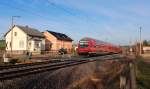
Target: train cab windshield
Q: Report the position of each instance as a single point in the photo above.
(83, 44)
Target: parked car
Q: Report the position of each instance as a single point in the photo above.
(62, 51)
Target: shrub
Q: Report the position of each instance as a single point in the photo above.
(14, 61)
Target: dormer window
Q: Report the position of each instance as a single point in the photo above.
(15, 34)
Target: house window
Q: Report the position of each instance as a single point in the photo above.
(15, 34)
(21, 44)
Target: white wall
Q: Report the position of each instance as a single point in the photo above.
(33, 47)
(43, 44)
(22, 36)
(16, 41)
(30, 45)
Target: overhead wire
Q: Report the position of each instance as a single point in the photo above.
(32, 13)
(24, 10)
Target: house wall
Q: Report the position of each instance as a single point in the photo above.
(43, 44)
(56, 44)
(32, 44)
(146, 49)
(50, 42)
(64, 44)
(68, 45)
(23, 43)
(18, 41)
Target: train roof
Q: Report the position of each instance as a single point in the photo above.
(86, 38)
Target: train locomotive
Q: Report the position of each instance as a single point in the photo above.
(90, 47)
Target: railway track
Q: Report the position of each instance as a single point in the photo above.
(51, 61)
(27, 64)
(14, 71)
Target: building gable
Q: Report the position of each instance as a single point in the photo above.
(14, 30)
(18, 39)
(29, 31)
(49, 37)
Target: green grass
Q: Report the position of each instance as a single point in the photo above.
(2, 44)
(143, 75)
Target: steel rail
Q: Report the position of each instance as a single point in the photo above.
(46, 62)
(26, 70)
(33, 70)
(27, 64)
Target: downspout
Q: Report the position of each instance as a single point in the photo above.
(27, 44)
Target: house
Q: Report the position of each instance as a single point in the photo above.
(146, 49)
(56, 41)
(23, 39)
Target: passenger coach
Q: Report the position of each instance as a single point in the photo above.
(90, 46)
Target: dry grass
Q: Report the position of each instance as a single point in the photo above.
(93, 75)
(143, 74)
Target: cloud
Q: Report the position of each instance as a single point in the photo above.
(115, 20)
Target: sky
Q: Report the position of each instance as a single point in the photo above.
(114, 21)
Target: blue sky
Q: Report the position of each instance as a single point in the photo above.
(115, 21)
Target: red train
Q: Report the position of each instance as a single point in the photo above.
(90, 46)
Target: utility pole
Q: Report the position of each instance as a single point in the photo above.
(12, 24)
(140, 33)
(130, 47)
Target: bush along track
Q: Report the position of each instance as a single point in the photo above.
(143, 75)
